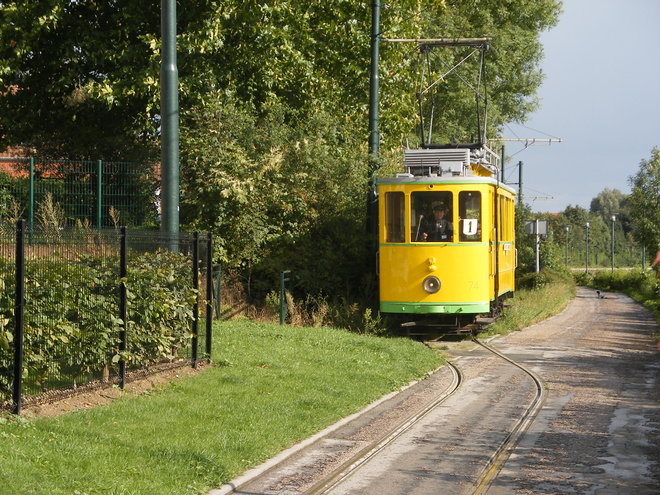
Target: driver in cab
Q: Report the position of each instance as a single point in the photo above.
(438, 228)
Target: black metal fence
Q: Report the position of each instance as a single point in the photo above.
(84, 308)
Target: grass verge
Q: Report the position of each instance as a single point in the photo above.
(270, 387)
(540, 296)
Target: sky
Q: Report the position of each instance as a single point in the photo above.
(600, 95)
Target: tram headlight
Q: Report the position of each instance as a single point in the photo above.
(431, 284)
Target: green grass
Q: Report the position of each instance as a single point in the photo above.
(271, 386)
(546, 295)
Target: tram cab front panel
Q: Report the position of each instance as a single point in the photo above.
(435, 253)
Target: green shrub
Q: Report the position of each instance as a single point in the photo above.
(72, 322)
(160, 306)
(546, 276)
(619, 280)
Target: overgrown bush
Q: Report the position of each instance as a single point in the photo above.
(72, 322)
(160, 301)
(546, 276)
(287, 190)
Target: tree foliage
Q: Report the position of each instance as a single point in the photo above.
(284, 191)
(612, 202)
(75, 76)
(82, 77)
(274, 103)
(644, 202)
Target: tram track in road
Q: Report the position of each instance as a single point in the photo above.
(497, 460)
(453, 432)
(483, 478)
(353, 464)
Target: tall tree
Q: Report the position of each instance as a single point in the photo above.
(81, 77)
(75, 75)
(274, 101)
(644, 202)
(512, 73)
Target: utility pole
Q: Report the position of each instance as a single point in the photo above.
(538, 246)
(502, 166)
(613, 219)
(169, 114)
(586, 257)
(374, 136)
(520, 183)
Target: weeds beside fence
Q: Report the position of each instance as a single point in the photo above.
(85, 307)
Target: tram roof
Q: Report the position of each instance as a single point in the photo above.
(445, 179)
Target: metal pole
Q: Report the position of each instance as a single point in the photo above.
(613, 220)
(566, 230)
(283, 304)
(643, 258)
(374, 135)
(123, 271)
(538, 243)
(19, 304)
(520, 182)
(195, 282)
(586, 269)
(209, 294)
(169, 110)
(374, 138)
(502, 167)
(31, 197)
(99, 195)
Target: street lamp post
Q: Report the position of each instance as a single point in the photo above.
(587, 249)
(613, 218)
(566, 229)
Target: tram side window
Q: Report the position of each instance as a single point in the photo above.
(431, 216)
(503, 218)
(394, 217)
(506, 229)
(469, 212)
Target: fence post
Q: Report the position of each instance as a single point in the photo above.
(195, 280)
(99, 195)
(122, 304)
(19, 303)
(217, 292)
(284, 307)
(31, 197)
(209, 294)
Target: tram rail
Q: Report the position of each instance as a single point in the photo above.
(353, 464)
(495, 462)
(505, 449)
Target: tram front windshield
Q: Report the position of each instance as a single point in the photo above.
(433, 218)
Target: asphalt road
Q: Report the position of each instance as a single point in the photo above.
(597, 433)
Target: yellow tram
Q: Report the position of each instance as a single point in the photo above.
(446, 236)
